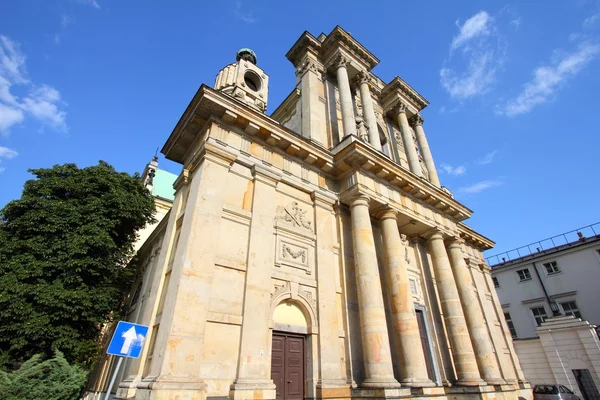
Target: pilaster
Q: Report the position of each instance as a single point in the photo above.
(254, 373)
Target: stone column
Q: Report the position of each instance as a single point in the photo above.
(363, 79)
(348, 119)
(413, 367)
(417, 121)
(407, 140)
(379, 371)
(254, 369)
(484, 351)
(462, 349)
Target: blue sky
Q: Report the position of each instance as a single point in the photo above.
(513, 88)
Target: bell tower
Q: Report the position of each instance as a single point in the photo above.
(245, 81)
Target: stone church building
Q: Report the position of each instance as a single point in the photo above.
(313, 253)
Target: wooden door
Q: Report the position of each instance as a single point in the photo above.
(425, 344)
(287, 366)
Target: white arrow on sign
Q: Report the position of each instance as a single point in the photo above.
(129, 336)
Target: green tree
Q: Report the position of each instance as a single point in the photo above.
(64, 249)
(38, 379)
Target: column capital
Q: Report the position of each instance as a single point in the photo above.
(455, 242)
(417, 120)
(309, 65)
(340, 61)
(433, 234)
(363, 77)
(386, 212)
(399, 108)
(358, 200)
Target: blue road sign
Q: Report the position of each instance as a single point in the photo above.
(128, 340)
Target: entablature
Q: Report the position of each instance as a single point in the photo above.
(352, 155)
(209, 103)
(475, 239)
(399, 91)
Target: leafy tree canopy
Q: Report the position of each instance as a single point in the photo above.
(37, 379)
(64, 248)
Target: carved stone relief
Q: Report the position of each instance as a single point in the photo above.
(293, 214)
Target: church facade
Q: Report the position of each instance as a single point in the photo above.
(313, 253)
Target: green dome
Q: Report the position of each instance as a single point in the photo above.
(246, 54)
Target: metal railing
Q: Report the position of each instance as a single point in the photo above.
(564, 239)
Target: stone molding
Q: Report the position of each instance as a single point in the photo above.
(417, 120)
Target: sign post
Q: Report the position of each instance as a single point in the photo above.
(127, 341)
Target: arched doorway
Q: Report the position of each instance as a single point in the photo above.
(289, 351)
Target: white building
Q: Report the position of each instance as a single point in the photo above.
(549, 292)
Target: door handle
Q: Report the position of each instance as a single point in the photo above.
(289, 381)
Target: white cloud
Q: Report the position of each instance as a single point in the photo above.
(591, 21)
(482, 53)
(92, 3)
(477, 25)
(479, 186)
(457, 171)
(42, 103)
(516, 22)
(247, 17)
(547, 79)
(488, 158)
(6, 154)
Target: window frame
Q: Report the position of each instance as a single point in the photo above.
(510, 324)
(543, 317)
(526, 275)
(496, 282)
(572, 311)
(555, 268)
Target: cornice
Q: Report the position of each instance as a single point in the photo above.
(475, 239)
(356, 155)
(405, 92)
(209, 103)
(340, 38)
(306, 42)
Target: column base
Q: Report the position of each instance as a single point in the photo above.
(252, 389)
(338, 389)
(470, 382)
(380, 393)
(495, 381)
(380, 383)
(127, 388)
(417, 382)
(171, 388)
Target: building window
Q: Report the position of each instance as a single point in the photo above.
(551, 267)
(496, 284)
(413, 286)
(511, 326)
(539, 314)
(570, 308)
(524, 274)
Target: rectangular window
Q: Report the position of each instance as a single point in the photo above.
(413, 286)
(496, 284)
(551, 267)
(524, 275)
(511, 326)
(570, 308)
(539, 314)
